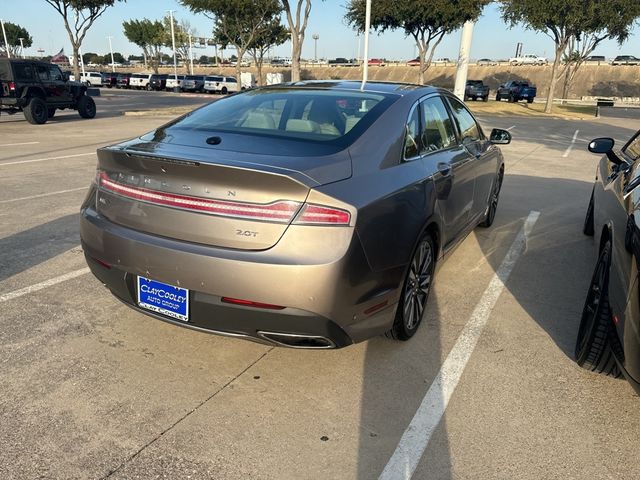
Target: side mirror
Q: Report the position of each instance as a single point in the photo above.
(500, 137)
(601, 145)
(605, 146)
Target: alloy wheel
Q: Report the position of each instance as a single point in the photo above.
(418, 286)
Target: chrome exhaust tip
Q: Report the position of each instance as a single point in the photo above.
(292, 340)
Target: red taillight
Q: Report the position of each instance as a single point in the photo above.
(249, 303)
(281, 211)
(12, 87)
(319, 215)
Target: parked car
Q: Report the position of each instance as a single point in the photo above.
(90, 79)
(515, 91)
(528, 59)
(173, 81)
(476, 90)
(414, 63)
(38, 89)
(158, 82)
(220, 84)
(595, 58)
(193, 83)
(625, 60)
(109, 79)
(377, 62)
(442, 61)
(356, 194)
(608, 340)
(280, 62)
(342, 62)
(486, 62)
(140, 81)
(123, 80)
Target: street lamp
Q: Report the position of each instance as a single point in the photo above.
(21, 46)
(113, 64)
(315, 41)
(173, 42)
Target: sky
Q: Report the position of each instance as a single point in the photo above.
(492, 38)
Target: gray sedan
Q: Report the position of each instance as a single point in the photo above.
(308, 215)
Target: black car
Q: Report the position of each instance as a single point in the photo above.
(353, 192)
(625, 60)
(123, 80)
(609, 336)
(157, 82)
(38, 89)
(109, 79)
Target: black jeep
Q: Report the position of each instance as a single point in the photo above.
(39, 89)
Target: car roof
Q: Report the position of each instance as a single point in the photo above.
(397, 88)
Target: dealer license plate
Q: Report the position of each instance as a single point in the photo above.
(163, 298)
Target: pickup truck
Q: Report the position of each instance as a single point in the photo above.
(515, 91)
(342, 62)
(38, 89)
(475, 90)
(528, 60)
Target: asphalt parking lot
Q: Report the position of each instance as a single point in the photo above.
(92, 389)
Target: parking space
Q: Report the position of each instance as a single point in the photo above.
(92, 389)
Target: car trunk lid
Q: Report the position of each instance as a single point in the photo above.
(215, 197)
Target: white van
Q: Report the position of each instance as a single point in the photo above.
(220, 84)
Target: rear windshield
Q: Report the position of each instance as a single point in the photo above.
(320, 115)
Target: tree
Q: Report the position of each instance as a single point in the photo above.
(426, 22)
(14, 33)
(566, 21)
(297, 28)
(149, 35)
(88, 57)
(79, 16)
(236, 22)
(271, 34)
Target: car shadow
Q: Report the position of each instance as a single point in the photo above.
(26, 249)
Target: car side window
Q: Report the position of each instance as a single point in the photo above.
(23, 72)
(412, 135)
(43, 72)
(56, 74)
(437, 129)
(467, 126)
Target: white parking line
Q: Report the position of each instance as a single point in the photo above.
(415, 439)
(16, 144)
(48, 158)
(511, 128)
(570, 147)
(43, 195)
(39, 286)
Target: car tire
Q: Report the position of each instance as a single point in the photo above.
(498, 97)
(36, 111)
(485, 98)
(512, 99)
(593, 344)
(529, 100)
(86, 107)
(494, 198)
(51, 111)
(589, 228)
(224, 91)
(149, 88)
(415, 291)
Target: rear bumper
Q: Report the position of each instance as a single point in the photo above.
(338, 300)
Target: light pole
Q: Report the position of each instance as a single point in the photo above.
(6, 44)
(21, 46)
(315, 48)
(463, 60)
(367, 27)
(190, 55)
(173, 42)
(113, 64)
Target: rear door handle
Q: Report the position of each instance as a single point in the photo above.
(444, 169)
